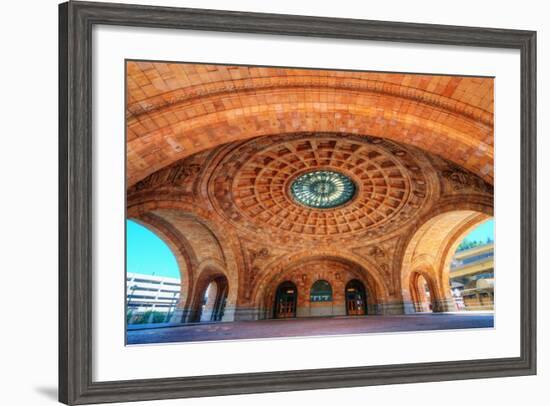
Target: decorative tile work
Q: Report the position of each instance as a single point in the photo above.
(212, 152)
(176, 110)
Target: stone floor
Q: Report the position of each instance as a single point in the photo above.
(310, 327)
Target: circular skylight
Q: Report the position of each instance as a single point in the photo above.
(322, 189)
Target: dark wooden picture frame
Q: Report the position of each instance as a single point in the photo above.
(76, 20)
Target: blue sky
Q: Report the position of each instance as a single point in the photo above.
(481, 232)
(148, 254)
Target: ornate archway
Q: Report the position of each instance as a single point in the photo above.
(431, 245)
(239, 105)
(182, 252)
(304, 269)
(212, 299)
(423, 292)
(195, 232)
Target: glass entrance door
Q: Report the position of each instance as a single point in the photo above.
(285, 301)
(356, 299)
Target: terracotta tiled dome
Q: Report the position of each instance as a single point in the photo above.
(250, 186)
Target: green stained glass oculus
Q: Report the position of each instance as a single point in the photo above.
(322, 189)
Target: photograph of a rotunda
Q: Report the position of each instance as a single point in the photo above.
(282, 202)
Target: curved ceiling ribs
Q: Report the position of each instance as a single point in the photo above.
(166, 100)
(176, 110)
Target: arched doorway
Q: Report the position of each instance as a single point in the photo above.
(356, 298)
(321, 283)
(214, 300)
(153, 275)
(429, 252)
(285, 301)
(471, 274)
(421, 293)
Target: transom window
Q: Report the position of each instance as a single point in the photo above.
(321, 291)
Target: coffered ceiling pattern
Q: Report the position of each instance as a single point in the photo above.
(250, 187)
(246, 186)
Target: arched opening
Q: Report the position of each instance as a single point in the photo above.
(421, 293)
(153, 281)
(214, 300)
(285, 301)
(429, 253)
(471, 276)
(356, 298)
(309, 272)
(203, 247)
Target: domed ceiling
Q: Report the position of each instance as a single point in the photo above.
(311, 188)
(251, 187)
(275, 166)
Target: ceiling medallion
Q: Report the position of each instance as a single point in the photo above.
(322, 189)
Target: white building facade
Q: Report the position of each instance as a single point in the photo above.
(151, 299)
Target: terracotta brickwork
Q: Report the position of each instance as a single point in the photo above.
(305, 274)
(430, 249)
(176, 110)
(213, 150)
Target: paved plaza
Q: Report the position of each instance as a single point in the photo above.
(310, 327)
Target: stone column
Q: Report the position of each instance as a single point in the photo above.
(390, 308)
(246, 313)
(409, 307)
(444, 305)
(228, 313)
(394, 306)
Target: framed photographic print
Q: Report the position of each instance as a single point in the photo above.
(257, 202)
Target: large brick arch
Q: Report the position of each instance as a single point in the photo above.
(463, 137)
(417, 295)
(180, 248)
(208, 273)
(431, 244)
(455, 238)
(366, 271)
(321, 269)
(174, 111)
(231, 258)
